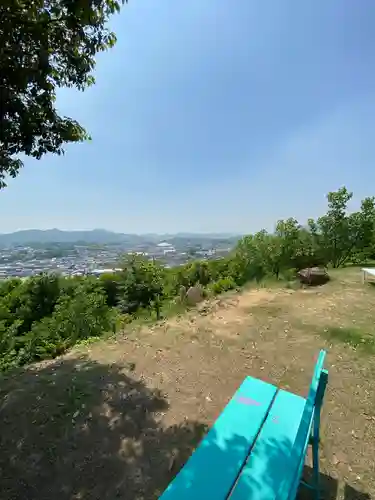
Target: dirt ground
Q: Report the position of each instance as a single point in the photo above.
(117, 419)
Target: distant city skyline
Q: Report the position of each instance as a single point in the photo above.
(211, 119)
(23, 254)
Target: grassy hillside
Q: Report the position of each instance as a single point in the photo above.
(118, 418)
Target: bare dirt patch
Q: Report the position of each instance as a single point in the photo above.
(117, 419)
(228, 316)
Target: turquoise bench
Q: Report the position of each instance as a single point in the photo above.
(257, 447)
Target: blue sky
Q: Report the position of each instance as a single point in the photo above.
(213, 116)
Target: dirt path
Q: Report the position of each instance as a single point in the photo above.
(117, 419)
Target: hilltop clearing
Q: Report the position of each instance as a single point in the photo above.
(118, 418)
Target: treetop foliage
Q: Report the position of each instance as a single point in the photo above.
(44, 45)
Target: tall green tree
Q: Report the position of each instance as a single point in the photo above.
(298, 248)
(333, 227)
(251, 260)
(288, 234)
(141, 284)
(44, 45)
(362, 230)
(339, 234)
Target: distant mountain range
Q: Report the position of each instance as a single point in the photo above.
(98, 236)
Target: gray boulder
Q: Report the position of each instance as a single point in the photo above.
(194, 295)
(313, 276)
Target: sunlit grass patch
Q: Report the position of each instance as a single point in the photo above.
(353, 336)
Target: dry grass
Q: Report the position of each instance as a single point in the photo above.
(117, 419)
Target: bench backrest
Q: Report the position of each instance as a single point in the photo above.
(314, 400)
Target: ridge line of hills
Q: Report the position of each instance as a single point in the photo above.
(99, 236)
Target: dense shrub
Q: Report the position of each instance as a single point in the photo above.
(7, 285)
(28, 301)
(111, 283)
(84, 315)
(220, 268)
(223, 285)
(142, 284)
(43, 316)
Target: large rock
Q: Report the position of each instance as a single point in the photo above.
(313, 276)
(194, 295)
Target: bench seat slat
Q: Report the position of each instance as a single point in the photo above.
(269, 462)
(213, 468)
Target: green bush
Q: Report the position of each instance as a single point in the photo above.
(220, 268)
(141, 286)
(7, 285)
(43, 316)
(111, 284)
(75, 318)
(223, 285)
(288, 274)
(193, 273)
(30, 300)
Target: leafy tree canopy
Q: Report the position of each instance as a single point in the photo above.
(45, 44)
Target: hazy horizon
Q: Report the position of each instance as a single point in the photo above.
(117, 232)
